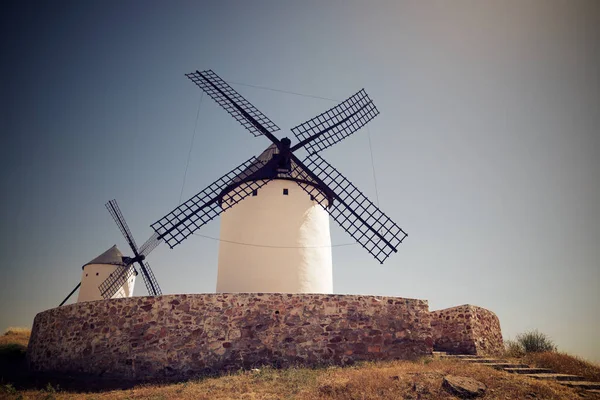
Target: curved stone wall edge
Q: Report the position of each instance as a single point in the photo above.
(180, 336)
(467, 329)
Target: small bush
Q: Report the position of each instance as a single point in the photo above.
(16, 330)
(513, 349)
(18, 336)
(8, 389)
(535, 342)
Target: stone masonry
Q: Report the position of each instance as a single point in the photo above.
(180, 336)
(466, 329)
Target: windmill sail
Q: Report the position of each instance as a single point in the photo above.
(150, 280)
(115, 212)
(237, 106)
(150, 244)
(116, 280)
(335, 124)
(120, 277)
(187, 218)
(354, 212)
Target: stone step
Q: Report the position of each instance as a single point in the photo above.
(439, 353)
(556, 377)
(529, 370)
(461, 356)
(485, 360)
(506, 365)
(581, 384)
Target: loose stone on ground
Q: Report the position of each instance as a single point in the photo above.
(463, 387)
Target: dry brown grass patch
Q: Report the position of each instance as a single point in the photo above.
(385, 380)
(393, 380)
(564, 364)
(18, 336)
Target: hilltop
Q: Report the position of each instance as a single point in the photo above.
(420, 379)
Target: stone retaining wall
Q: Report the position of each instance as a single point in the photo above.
(466, 329)
(180, 336)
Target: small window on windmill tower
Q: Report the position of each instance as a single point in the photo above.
(285, 192)
(255, 192)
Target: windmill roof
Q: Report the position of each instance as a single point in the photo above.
(296, 171)
(112, 256)
(265, 167)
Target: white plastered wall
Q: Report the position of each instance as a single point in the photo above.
(92, 277)
(290, 243)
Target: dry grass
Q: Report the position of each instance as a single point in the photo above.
(15, 336)
(386, 380)
(564, 364)
(13, 345)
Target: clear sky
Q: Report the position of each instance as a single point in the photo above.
(486, 150)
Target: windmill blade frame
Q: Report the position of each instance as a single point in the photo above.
(119, 277)
(113, 208)
(335, 124)
(206, 205)
(234, 103)
(150, 280)
(353, 211)
(149, 245)
(116, 280)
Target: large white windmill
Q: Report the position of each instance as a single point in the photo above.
(275, 233)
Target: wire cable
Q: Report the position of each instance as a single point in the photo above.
(273, 247)
(373, 167)
(283, 91)
(187, 164)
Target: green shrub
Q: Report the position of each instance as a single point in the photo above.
(8, 388)
(513, 349)
(535, 342)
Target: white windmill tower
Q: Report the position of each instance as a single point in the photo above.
(297, 255)
(275, 233)
(112, 275)
(101, 268)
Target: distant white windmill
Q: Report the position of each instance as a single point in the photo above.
(112, 275)
(101, 268)
(276, 238)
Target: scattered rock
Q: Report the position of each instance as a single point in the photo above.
(420, 388)
(463, 387)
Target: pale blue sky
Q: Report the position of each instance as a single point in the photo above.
(486, 150)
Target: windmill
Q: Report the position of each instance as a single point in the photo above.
(111, 285)
(113, 275)
(296, 219)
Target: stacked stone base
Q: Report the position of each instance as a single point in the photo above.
(180, 336)
(466, 329)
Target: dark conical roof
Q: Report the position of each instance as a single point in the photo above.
(267, 167)
(296, 172)
(112, 256)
